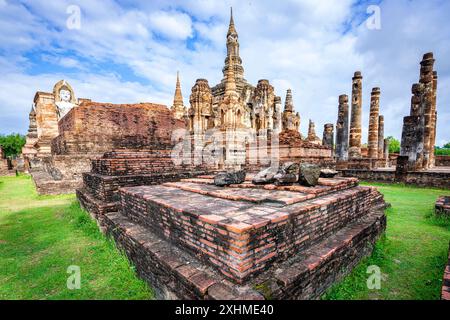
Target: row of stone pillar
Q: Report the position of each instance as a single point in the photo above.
(348, 139)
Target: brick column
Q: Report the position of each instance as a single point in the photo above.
(427, 79)
(433, 119)
(380, 137)
(386, 151)
(355, 121)
(342, 129)
(328, 135)
(373, 123)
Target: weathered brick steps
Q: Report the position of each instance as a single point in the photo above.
(158, 162)
(325, 186)
(242, 239)
(46, 185)
(97, 208)
(176, 274)
(299, 193)
(105, 187)
(442, 206)
(445, 295)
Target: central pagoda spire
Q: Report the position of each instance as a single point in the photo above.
(231, 28)
(233, 51)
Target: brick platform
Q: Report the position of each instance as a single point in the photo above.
(290, 242)
(446, 281)
(175, 273)
(99, 192)
(442, 206)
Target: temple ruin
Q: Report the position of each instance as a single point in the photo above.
(233, 120)
(349, 152)
(192, 239)
(148, 175)
(416, 163)
(419, 128)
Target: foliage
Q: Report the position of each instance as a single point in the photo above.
(442, 151)
(12, 144)
(41, 236)
(394, 145)
(447, 145)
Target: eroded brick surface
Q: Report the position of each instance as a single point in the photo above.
(442, 206)
(430, 178)
(446, 281)
(175, 273)
(243, 232)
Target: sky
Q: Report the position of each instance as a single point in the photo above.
(130, 51)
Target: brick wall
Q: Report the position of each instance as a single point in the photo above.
(445, 295)
(101, 127)
(420, 178)
(241, 252)
(442, 161)
(89, 130)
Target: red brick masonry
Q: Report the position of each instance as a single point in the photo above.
(244, 229)
(446, 281)
(175, 273)
(99, 193)
(442, 206)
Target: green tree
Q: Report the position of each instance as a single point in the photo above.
(12, 144)
(447, 145)
(394, 145)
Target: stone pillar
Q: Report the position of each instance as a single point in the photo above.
(342, 129)
(373, 123)
(277, 117)
(401, 170)
(328, 135)
(312, 137)
(434, 119)
(427, 79)
(380, 137)
(386, 151)
(412, 132)
(355, 121)
(419, 127)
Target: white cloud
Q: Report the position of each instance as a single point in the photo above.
(293, 43)
(174, 25)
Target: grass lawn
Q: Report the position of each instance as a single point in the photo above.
(41, 236)
(413, 253)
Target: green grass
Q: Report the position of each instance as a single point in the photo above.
(41, 236)
(411, 255)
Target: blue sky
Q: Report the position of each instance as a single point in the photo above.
(130, 51)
